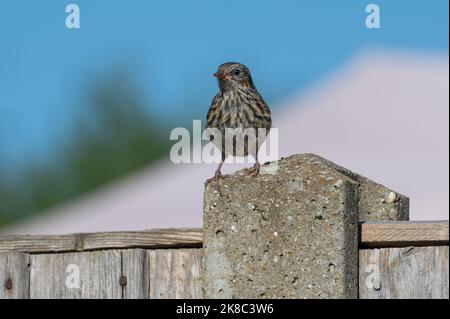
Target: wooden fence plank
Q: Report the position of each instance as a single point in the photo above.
(76, 275)
(14, 276)
(397, 234)
(372, 234)
(175, 273)
(410, 272)
(135, 270)
(155, 238)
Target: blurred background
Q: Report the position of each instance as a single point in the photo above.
(85, 114)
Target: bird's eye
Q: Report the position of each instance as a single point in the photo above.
(237, 72)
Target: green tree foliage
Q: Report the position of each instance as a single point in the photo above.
(115, 135)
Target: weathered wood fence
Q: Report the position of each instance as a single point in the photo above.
(396, 260)
(304, 228)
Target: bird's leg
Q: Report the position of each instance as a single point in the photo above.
(256, 167)
(217, 173)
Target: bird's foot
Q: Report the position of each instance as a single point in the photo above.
(255, 170)
(215, 178)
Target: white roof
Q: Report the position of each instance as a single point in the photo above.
(383, 115)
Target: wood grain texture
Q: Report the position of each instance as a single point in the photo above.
(384, 234)
(409, 272)
(56, 275)
(135, 268)
(175, 273)
(14, 276)
(156, 238)
(398, 234)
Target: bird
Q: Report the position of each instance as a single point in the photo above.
(237, 109)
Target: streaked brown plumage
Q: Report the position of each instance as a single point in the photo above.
(238, 105)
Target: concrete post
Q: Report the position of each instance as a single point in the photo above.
(292, 232)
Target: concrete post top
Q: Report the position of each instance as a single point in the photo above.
(376, 202)
(290, 232)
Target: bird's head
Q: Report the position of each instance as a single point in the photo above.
(233, 75)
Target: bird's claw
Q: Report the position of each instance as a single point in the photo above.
(256, 168)
(215, 178)
(254, 171)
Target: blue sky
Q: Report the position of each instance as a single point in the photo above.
(171, 48)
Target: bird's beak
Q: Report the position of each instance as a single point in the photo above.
(218, 75)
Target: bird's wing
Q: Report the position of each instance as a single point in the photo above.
(262, 112)
(213, 116)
